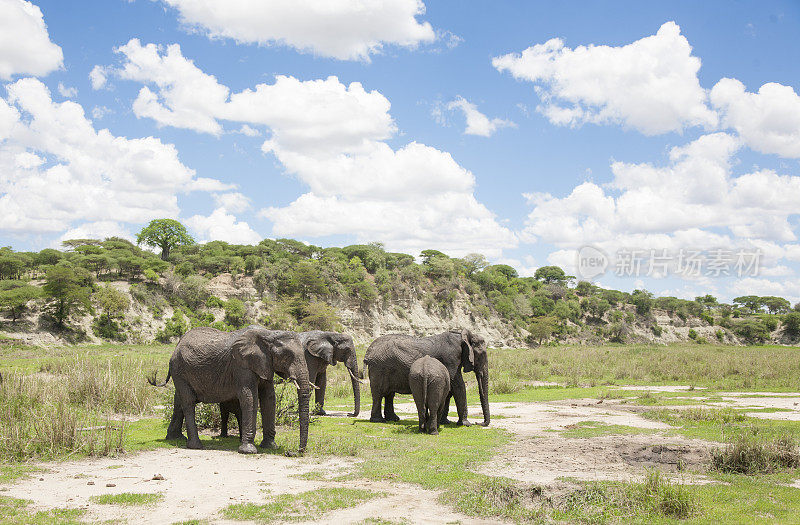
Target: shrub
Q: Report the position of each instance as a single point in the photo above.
(657, 330)
(235, 313)
(173, 329)
(752, 454)
(214, 302)
(692, 334)
(751, 330)
(107, 328)
(791, 324)
(720, 335)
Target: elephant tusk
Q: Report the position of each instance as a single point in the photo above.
(295, 384)
(354, 376)
(315, 387)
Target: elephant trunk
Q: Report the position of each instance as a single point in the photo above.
(483, 392)
(353, 369)
(303, 396)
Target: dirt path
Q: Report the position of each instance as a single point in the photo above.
(198, 484)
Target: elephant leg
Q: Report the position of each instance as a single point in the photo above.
(176, 423)
(319, 394)
(238, 414)
(377, 396)
(446, 410)
(388, 410)
(460, 396)
(266, 399)
(188, 401)
(431, 423)
(420, 406)
(223, 425)
(247, 401)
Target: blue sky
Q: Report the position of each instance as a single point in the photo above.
(667, 94)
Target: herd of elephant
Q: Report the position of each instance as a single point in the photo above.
(237, 369)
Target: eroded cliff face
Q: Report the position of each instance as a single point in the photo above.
(414, 314)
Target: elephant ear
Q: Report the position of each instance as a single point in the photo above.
(467, 353)
(251, 349)
(321, 347)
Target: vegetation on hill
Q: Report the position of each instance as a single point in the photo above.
(299, 285)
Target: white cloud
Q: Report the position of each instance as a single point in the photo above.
(234, 201)
(341, 29)
(650, 85)
(57, 172)
(98, 77)
(99, 112)
(331, 136)
(25, 46)
(692, 203)
(478, 123)
(222, 226)
(249, 131)
(67, 92)
(768, 121)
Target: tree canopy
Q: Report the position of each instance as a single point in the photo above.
(165, 234)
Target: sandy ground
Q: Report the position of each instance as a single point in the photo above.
(198, 484)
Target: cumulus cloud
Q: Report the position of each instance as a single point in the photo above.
(67, 92)
(57, 172)
(233, 201)
(693, 202)
(25, 46)
(478, 123)
(650, 85)
(341, 29)
(222, 226)
(332, 137)
(98, 77)
(768, 121)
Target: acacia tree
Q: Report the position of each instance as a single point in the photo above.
(65, 292)
(15, 296)
(165, 234)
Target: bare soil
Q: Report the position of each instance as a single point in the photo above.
(199, 484)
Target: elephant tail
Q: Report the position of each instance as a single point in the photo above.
(152, 379)
(425, 397)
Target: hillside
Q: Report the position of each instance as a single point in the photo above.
(112, 290)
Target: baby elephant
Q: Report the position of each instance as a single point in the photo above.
(226, 408)
(430, 383)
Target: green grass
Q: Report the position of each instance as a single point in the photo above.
(17, 512)
(128, 499)
(721, 424)
(311, 505)
(590, 429)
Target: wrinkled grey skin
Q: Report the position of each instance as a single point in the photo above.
(321, 349)
(389, 359)
(211, 366)
(328, 348)
(430, 384)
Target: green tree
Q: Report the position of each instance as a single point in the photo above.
(65, 292)
(165, 234)
(791, 324)
(775, 305)
(552, 275)
(541, 328)
(473, 263)
(15, 295)
(752, 303)
(111, 301)
(643, 300)
(235, 313)
(596, 307)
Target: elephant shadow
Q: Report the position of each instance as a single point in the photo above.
(229, 443)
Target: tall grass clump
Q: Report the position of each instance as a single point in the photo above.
(752, 453)
(39, 421)
(656, 496)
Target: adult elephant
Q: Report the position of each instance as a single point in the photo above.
(389, 359)
(211, 366)
(328, 348)
(321, 349)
